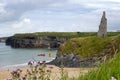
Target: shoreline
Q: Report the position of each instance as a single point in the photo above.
(13, 66)
(21, 65)
(55, 71)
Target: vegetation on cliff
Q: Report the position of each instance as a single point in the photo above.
(57, 34)
(107, 71)
(88, 46)
(63, 34)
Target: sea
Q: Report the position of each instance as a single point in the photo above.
(16, 57)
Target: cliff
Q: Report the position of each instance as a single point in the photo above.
(87, 52)
(43, 39)
(35, 42)
(46, 39)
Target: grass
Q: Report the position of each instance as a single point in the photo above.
(88, 46)
(84, 46)
(63, 34)
(104, 72)
(59, 34)
(112, 33)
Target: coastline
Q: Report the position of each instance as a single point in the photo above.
(55, 71)
(20, 65)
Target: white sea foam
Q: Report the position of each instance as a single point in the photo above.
(21, 65)
(14, 66)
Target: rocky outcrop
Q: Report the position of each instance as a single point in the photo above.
(72, 60)
(102, 32)
(69, 60)
(35, 42)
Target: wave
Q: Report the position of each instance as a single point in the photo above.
(21, 65)
(15, 65)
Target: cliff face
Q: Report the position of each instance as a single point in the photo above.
(87, 52)
(72, 60)
(35, 42)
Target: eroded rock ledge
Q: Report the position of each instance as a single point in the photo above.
(72, 60)
(36, 42)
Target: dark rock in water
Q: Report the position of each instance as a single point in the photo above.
(36, 42)
(8, 41)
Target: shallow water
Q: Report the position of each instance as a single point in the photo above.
(20, 56)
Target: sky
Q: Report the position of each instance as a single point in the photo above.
(27, 16)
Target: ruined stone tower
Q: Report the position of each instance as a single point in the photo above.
(102, 32)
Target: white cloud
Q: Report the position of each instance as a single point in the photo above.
(114, 0)
(26, 20)
(91, 1)
(23, 23)
(98, 4)
(2, 10)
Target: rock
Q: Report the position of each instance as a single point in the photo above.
(73, 60)
(102, 32)
(69, 57)
(35, 42)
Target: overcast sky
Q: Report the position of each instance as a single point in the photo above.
(24, 16)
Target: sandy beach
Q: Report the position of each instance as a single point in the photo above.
(55, 72)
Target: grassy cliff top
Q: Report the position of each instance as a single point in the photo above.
(59, 34)
(87, 46)
(63, 34)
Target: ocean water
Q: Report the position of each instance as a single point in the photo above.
(13, 57)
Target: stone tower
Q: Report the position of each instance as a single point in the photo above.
(102, 32)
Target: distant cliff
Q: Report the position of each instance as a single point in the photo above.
(42, 39)
(46, 39)
(36, 42)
